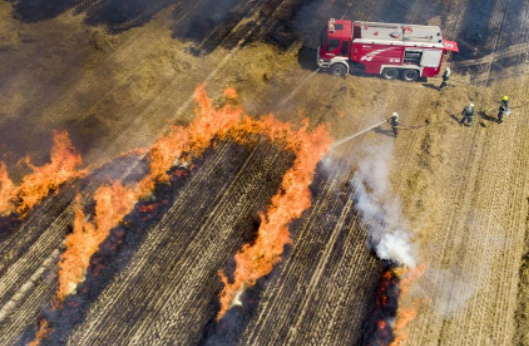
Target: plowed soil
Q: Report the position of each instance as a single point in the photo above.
(115, 74)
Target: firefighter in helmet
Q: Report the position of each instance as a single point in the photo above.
(446, 79)
(504, 109)
(394, 121)
(468, 115)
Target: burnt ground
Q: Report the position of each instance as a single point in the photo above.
(114, 73)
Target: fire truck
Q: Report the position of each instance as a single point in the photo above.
(390, 50)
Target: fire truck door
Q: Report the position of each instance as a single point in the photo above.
(431, 58)
(333, 47)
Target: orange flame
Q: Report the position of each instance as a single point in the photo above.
(408, 277)
(114, 203)
(37, 185)
(406, 315)
(230, 93)
(179, 146)
(7, 190)
(257, 260)
(43, 333)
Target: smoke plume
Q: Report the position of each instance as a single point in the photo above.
(380, 208)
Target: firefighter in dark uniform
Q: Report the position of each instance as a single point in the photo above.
(468, 115)
(504, 108)
(446, 79)
(394, 121)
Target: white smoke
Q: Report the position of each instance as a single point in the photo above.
(380, 208)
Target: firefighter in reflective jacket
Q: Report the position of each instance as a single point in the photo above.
(468, 115)
(394, 121)
(446, 79)
(504, 109)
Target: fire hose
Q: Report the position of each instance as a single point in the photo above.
(424, 125)
(347, 139)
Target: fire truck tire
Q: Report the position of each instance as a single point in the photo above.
(410, 75)
(390, 73)
(338, 70)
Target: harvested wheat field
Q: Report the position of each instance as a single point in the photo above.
(183, 173)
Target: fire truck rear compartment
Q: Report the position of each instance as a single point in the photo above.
(412, 57)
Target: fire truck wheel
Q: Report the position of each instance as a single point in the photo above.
(390, 73)
(338, 70)
(410, 75)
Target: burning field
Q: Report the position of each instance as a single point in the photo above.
(247, 181)
(182, 173)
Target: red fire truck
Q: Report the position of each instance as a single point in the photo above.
(391, 50)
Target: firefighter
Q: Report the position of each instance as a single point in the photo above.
(446, 79)
(394, 121)
(504, 109)
(468, 115)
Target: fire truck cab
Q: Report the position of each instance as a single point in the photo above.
(391, 50)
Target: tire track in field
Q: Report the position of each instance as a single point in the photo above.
(499, 22)
(512, 33)
(498, 50)
(471, 35)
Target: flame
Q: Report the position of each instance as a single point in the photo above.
(391, 314)
(7, 190)
(230, 93)
(38, 184)
(409, 276)
(179, 146)
(388, 278)
(257, 260)
(381, 324)
(112, 204)
(406, 315)
(43, 333)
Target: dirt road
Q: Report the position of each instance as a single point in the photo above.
(463, 190)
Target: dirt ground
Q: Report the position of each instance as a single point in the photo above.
(117, 86)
